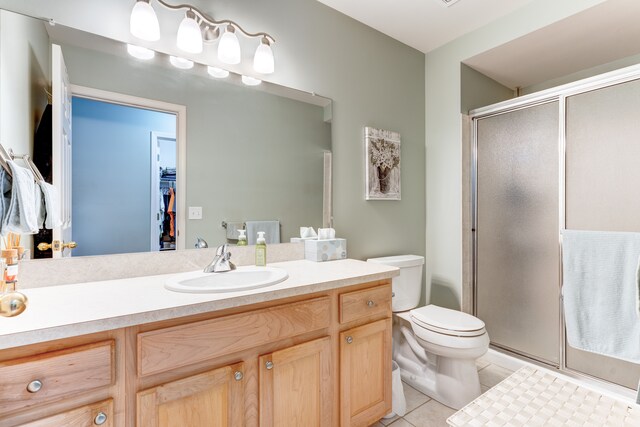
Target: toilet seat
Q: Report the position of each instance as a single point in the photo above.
(448, 322)
(443, 338)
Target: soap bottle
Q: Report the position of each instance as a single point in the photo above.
(242, 238)
(261, 250)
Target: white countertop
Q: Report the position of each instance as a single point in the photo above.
(56, 312)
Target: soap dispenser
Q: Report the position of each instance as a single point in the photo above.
(242, 238)
(261, 250)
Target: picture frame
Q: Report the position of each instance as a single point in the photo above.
(382, 164)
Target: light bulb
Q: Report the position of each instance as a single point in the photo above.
(251, 81)
(216, 72)
(229, 47)
(263, 59)
(182, 63)
(140, 52)
(189, 34)
(144, 22)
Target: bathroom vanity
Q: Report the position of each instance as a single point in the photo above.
(314, 350)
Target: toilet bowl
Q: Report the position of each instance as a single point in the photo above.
(435, 347)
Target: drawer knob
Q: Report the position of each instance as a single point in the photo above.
(349, 340)
(100, 419)
(34, 386)
(269, 365)
(238, 375)
(370, 303)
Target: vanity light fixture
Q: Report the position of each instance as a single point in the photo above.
(197, 28)
(182, 63)
(140, 52)
(144, 22)
(229, 47)
(218, 73)
(263, 59)
(189, 34)
(250, 81)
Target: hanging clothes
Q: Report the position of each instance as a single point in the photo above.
(172, 214)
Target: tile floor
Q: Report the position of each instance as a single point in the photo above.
(423, 411)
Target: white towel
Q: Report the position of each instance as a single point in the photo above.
(232, 229)
(599, 292)
(22, 215)
(52, 205)
(271, 231)
(5, 193)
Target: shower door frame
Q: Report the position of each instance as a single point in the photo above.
(560, 94)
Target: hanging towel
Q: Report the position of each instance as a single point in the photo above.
(599, 292)
(232, 229)
(41, 208)
(52, 205)
(22, 215)
(271, 231)
(5, 193)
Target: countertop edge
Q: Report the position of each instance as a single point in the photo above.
(36, 336)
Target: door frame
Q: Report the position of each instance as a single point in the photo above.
(155, 185)
(180, 112)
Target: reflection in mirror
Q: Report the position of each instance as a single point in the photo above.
(240, 153)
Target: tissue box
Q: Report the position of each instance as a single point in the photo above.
(325, 250)
(301, 239)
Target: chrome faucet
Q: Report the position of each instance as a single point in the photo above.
(221, 261)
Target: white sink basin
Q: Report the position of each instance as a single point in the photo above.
(240, 279)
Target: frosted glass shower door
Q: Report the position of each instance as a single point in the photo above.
(517, 249)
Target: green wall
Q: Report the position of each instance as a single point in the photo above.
(478, 90)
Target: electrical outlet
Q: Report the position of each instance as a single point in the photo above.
(195, 212)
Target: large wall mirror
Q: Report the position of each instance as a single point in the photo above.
(149, 139)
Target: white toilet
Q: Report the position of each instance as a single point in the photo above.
(436, 348)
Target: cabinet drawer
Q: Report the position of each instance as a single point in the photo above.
(55, 375)
(96, 414)
(364, 303)
(183, 345)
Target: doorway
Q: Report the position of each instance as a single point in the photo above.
(117, 205)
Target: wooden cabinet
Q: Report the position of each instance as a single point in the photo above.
(322, 359)
(97, 414)
(42, 378)
(365, 373)
(295, 386)
(211, 399)
(169, 348)
(365, 303)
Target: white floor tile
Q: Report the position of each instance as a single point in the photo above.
(492, 375)
(387, 421)
(414, 397)
(431, 414)
(402, 423)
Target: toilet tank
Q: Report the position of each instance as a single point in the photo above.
(408, 286)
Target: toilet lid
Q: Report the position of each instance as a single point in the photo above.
(446, 321)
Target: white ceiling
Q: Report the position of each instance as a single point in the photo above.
(425, 24)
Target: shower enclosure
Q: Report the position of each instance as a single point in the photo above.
(566, 158)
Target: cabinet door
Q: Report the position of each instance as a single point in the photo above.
(97, 414)
(365, 373)
(295, 386)
(210, 399)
